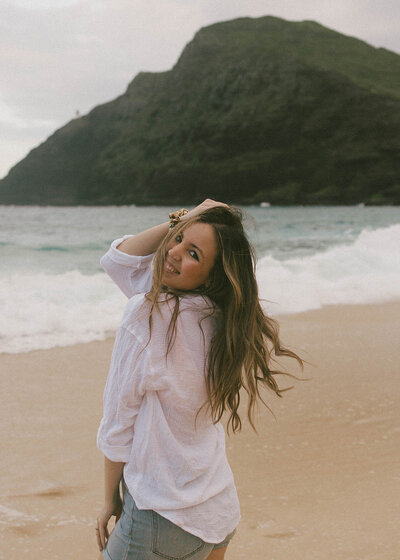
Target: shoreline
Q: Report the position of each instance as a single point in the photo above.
(283, 318)
(316, 482)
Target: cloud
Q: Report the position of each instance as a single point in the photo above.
(59, 57)
(42, 4)
(84, 54)
(54, 61)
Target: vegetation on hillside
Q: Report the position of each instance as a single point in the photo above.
(254, 110)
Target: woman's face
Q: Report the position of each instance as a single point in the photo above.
(190, 257)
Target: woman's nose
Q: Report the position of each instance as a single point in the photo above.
(175, 253)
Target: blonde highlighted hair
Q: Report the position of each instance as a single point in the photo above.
(246, 340)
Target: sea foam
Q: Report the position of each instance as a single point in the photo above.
(42, 310)
(365, 271)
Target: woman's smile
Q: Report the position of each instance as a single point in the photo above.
(170, 268)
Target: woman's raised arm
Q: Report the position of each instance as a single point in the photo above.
(147, 241)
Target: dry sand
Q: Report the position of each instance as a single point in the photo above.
(321, 482)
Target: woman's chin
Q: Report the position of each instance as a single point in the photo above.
(166, 282)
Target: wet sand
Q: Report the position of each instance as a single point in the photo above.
(321, 481)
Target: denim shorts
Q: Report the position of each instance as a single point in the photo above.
(146, 535)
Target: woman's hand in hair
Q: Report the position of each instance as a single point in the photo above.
(205, 205)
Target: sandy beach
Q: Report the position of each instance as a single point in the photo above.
(320, 481)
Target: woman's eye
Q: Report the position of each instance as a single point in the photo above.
(178, 238)
(194, 255)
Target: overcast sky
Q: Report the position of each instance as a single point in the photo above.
(60, 56)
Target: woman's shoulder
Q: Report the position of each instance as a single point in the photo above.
(196, 303)
(193, 311)
(136, 310)
(189, 307)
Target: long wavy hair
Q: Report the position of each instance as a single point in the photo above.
(246, 340)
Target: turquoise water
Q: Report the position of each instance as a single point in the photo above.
(61, 239)
(53, 292)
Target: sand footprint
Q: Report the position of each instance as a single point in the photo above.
(272, 530)
(45, 488)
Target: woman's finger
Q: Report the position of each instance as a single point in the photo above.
(98, 538)
(205, 205)
(103, 537)
(210, 203)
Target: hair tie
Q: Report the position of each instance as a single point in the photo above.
(175, 217)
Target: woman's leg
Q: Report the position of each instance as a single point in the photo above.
(217, 554)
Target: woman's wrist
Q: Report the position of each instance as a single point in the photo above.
(112, 478)
(112, 502)
(111, 496)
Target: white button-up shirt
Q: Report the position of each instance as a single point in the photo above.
(175, 459)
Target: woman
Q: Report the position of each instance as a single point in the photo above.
(192, 335)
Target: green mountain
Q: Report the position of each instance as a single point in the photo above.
(254, 110)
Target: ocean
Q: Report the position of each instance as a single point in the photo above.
(54, 293)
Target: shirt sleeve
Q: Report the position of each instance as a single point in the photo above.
(132, 274)
(123, 396)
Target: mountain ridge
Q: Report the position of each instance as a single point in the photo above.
(253, 109)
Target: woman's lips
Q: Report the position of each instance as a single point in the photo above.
(170, 268)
